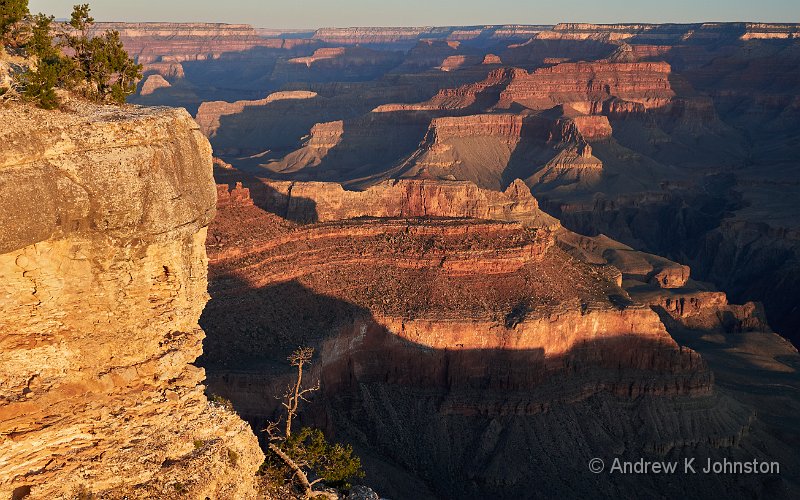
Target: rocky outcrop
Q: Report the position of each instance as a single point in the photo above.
(431, 329)
(237, 196)
(102, 281)
(492, 59)
(485, 92)
(506, 127)
(585, 86)
(153, 83)
(592, 127)
(319, 201)
(165, 69)
(210, 113)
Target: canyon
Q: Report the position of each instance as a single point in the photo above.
(513, 248)
(470, 344)
(668, 138)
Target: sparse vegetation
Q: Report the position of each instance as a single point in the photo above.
(11, 13)
(304, 459)
(97, 67)
(106, 72)
(221, 402)
(233, 457)
(83, 493)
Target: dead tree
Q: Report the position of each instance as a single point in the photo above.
(295, 393)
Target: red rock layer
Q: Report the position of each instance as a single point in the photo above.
(153, 83)
(237, 196)
(321, 201)
(507, 127)
(585, 86)
(460, 97)
(465, 291)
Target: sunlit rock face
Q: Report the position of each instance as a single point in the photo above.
(102, 281)
(448, 345)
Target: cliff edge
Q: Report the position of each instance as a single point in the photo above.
(102, 281)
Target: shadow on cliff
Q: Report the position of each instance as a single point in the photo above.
(369, 145)
(442, 419)
(267, 198)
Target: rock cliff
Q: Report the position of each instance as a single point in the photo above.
(102, 282)
(324, 202)
(178, 42)
(210, 113)
(445, 339)
(584, 86)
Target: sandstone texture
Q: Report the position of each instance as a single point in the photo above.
(323, 202)
(103, 272)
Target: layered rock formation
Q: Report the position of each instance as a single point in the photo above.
(153, 83)
(484, 93)
(102, 281)
(323, 202)
(410, 36)
(210, 113)
(444, 341)
(178, 42)
(585, 86)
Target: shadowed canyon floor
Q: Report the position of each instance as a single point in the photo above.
(470, 357)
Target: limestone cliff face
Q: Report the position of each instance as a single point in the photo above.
(320, 201)
(102, 282)
(581, 85)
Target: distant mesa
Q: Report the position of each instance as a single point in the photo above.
(492, 59)
(210, 113)
(153, 83)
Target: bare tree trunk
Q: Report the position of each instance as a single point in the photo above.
(294, 400)
(307, 491)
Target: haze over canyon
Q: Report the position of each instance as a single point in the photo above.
(514, 248)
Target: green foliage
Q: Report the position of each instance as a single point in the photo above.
(99, 68)
(334, 463)
(222, 402)
(40, 43)
(52, 68)
(11, 12)
(108, 73)
(80, 19)
(233, 457)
